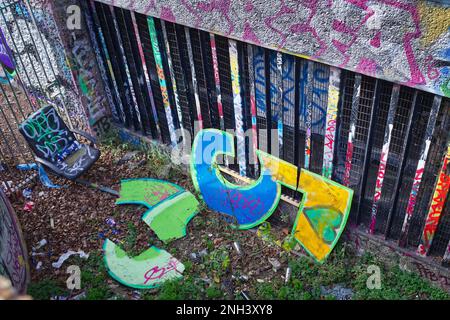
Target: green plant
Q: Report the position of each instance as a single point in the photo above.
(213, 292)
(185, 289)
(45, 289)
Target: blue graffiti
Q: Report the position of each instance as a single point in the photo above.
(260, 79)
(249, 205)
(319, 76)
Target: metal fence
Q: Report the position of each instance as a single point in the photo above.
(189, 77)
(33, 84)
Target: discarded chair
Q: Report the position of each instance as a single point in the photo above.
(55, 146)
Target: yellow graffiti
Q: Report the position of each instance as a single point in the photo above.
(435, 21)
(330, 201)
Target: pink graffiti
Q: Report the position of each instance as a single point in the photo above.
(222, 6)
(191, 9)
(151, 5)
(167, 14)
(367, 66)
(248, 7)
(237, 201)
(157, 273)
(342, 27)
(416, 75)
(249, 35)
(376, 40)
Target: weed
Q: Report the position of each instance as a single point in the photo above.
(213, 292)
(45, 289)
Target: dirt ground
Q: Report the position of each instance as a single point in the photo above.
(74, 217)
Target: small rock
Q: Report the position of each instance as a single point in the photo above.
(260, 280)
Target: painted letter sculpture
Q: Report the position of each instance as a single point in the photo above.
(170, 210)
(250, 205)
(323, 212)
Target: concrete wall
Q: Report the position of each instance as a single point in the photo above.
(83, 65)
(404, 41)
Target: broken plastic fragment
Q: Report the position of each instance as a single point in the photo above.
(67, 255)
(145, 271)
(170, 206)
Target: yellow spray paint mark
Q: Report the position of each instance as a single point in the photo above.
(324, 210)
(435, 21)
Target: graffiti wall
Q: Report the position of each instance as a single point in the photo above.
(13, 254)
(401, 41)
(84, 68)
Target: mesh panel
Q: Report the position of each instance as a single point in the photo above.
(117, 61)
(201, 80)
(260, 96)
(174, 39)
(432, 167)
(154, 81)
(344, 126)
(395, 156)
(375, 156)
(412, 156)
(321, 74)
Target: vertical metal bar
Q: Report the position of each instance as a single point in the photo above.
(331, 119)
(69, 120)
(17, 50)
(425, 148)
(20, 148)
(384, 155)
(173, 80)
(141, 112)
(129, 84)
(352, 132)
(446, 257)
(14, 94)
(279, 98)
(375, 102)
(194, 77)
(237, 101)
(308, 120)
(297, 72)
(437, 205)
(251, 80)
(157, 134)
(268, 100)
(394, 197)
(162, 79)
(217, 79)
(117, 64)
(100, 61)
(119, 107)
(148, 123)
(207, 118)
